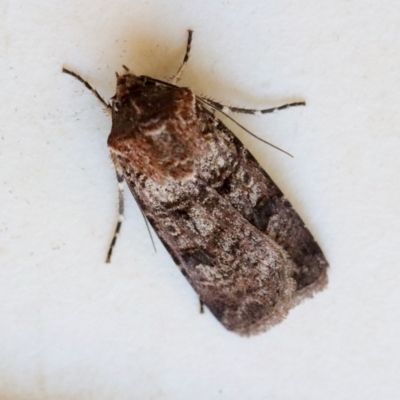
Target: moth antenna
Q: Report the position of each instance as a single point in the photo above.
(148, 229)
(177, 76)
(252, 111)
(87, 84)
(125, 68)
(212, 105)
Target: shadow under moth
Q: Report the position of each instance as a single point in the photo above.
(228, 227)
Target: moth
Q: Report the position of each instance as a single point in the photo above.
(225, 223)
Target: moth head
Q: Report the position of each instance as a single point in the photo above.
(155, 126)
(124, 83)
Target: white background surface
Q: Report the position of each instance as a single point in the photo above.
(73, 327)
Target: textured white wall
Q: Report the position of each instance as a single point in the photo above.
(72, 327)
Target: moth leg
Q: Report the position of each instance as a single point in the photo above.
(177, 76)
(201, 307)
(94, 91)
(120, 180)
(225, 109)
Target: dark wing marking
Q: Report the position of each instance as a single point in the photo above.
(256, 197)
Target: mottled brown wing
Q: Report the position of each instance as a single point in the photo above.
(235, 237)
(251, 191)
(228, 227)
(239, 273)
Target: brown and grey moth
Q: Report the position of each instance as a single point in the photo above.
(228, 227)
